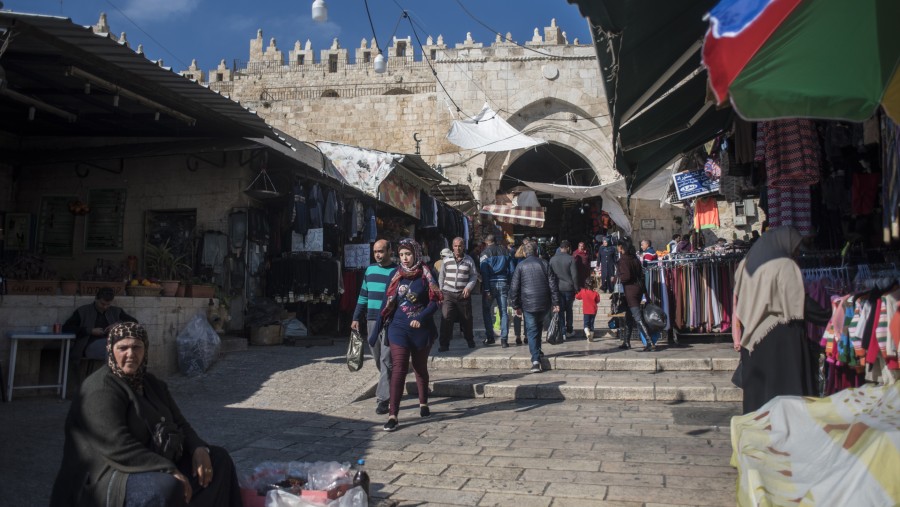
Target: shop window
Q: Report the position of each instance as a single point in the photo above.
(104, 226)
(56, 226)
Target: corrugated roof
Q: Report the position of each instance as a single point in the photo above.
(41, 51)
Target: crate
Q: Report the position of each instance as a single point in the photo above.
(90, 288)
(142, 291)
(266, 335)
(32, 287)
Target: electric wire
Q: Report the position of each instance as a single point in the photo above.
(179, 60)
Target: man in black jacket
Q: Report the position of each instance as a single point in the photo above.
(563, 266)
(533, 291)
(90, 324)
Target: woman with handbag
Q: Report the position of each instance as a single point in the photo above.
(630, 274)
(411, 298)
(128, 445)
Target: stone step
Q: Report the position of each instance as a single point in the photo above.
(711, 386)
(583, 355)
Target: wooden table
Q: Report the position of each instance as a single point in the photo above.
(65, 340)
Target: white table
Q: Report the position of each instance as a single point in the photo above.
(65, 340)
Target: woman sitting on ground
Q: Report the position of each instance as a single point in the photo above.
(410, 301)
(127, 444)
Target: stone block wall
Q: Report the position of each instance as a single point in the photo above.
(164, 318)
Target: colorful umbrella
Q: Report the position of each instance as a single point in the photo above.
(805, 58)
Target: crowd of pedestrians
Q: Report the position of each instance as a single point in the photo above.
(397, 301)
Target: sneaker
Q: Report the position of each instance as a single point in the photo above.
(383, 407)
(587, 332)
(504, 344)
(525, 341)
(471, 344)
(489, 341)
(535, 368)
(518, 341)
(424, 411)
(391, 425)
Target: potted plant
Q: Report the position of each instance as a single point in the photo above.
(197, 288)
(30, 274)
(163, 263)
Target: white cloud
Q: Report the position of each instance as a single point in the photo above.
(156, 10)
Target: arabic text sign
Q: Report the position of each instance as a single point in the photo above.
(694, 184)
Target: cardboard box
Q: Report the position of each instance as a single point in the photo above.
(266, 335)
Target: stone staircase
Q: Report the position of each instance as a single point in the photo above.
(582, 369)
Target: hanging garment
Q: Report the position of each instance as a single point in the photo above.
(301, 210)
(865, 193)
(370, 233)
(790, 207)
(706, 214)
(331, 208)
(789, 148)
(315, 204)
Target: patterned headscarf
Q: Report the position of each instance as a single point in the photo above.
(119, 332)
(415, 271)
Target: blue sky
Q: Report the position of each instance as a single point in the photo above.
(210, 30)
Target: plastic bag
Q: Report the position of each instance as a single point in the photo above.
(554, 330)
(654, 317)
(355, 497)
(293, 327)
(355, 351)
(198, 346)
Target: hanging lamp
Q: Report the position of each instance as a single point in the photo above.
(319, 11)
(380, 63)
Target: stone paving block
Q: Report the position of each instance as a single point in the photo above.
(483, 472)
(683, 364)
(544, 464)
(507, 486)
(417, 468)
(581, 363)
(581, 502)
(470, 362)
(271, 443)
(521, 452)
(446, 362)
(450, 449)
(630, 364)
(670, 495)
(677, 459)
(421, 496)
(433, 481)
(452, 459)
(520, 363)
(491, 363)
(591, 491)
(729, 393)
(685, 393)
(452, 388)
(587, 454)
(504, 500)
(510, 391)
(624, 392)
(726, 363)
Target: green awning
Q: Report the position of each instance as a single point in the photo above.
(649, 54)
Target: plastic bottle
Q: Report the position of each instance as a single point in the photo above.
(362, 477)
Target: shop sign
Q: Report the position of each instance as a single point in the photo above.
(692, 184)
(312, 242)
(357, 255)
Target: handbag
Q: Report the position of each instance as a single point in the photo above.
(168, 440)
(737, 377)
(654, 317)
(355, 351)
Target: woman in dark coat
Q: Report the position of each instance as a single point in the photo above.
(770, 307)
(630, 274)
(110, 457)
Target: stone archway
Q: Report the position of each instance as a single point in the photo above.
(560, 123)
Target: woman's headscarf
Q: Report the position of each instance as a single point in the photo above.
(119, 332)
(416, 270)
(768, 286)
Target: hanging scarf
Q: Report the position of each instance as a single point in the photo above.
(768, 287)
(415, 270)
(119, 332)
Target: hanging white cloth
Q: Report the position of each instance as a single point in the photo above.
(487, 131)
(610, 203)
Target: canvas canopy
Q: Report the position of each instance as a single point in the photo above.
(487, 131)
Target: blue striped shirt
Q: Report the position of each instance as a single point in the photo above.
(371, 294)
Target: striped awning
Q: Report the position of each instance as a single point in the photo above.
(516, 215)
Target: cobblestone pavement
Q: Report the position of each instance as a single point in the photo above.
(296, 403)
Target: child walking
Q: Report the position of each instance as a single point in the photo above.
(589, 299)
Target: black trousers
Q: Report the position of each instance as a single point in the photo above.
(453, 309)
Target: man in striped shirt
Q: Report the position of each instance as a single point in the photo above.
(371, 294)
(457, 281)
